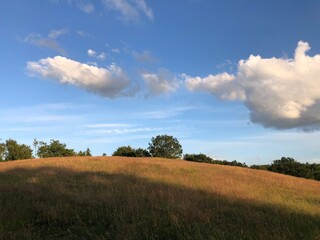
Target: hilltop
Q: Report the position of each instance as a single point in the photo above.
(152, 198)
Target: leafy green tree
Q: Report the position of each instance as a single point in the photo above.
(54, 149)
(140, 152)
(125, 151)
(290, 166)
(165, 146)
(15, 151)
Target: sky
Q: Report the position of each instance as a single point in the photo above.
(232, 79)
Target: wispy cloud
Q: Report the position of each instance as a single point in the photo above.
(163, 114)
(129, 10)
(108, 125)
(280, 93)
(84, 5)
(109, 82)
(144, 57)
(48, 42)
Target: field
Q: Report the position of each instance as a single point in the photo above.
(150, 198)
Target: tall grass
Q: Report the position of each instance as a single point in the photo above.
(129, 198)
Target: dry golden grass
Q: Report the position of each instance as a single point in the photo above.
(151, 198)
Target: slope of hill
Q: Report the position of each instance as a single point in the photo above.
(148, 198)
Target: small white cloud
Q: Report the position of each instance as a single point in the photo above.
(109, 82)
(280, 93)
(94, 54)
(130, 10)
(161, 82)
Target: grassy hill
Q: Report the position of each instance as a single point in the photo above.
(136, 198)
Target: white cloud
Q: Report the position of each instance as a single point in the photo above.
(280, 93)
(160, 83)
(130, 10)
(94, 54)
(109, 82)
(49, 42)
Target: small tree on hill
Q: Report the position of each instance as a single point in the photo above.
(125, 151)
(165, 146)
(88, 152)
(54, 149)
(15, 151)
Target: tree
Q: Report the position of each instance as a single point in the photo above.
(88, 152)
(165, 146)
(54, 149)
(290, 166)
(15, 151)
(125, 151)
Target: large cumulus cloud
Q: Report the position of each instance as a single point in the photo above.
(109, 82)
(280, 93)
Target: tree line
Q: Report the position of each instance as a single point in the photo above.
(163, 146)
(11, 150)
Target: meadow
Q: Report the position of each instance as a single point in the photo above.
(152, 198)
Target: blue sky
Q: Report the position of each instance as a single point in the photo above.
(230, 79)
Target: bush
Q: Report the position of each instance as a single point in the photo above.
(198, 158)
(165, 146)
